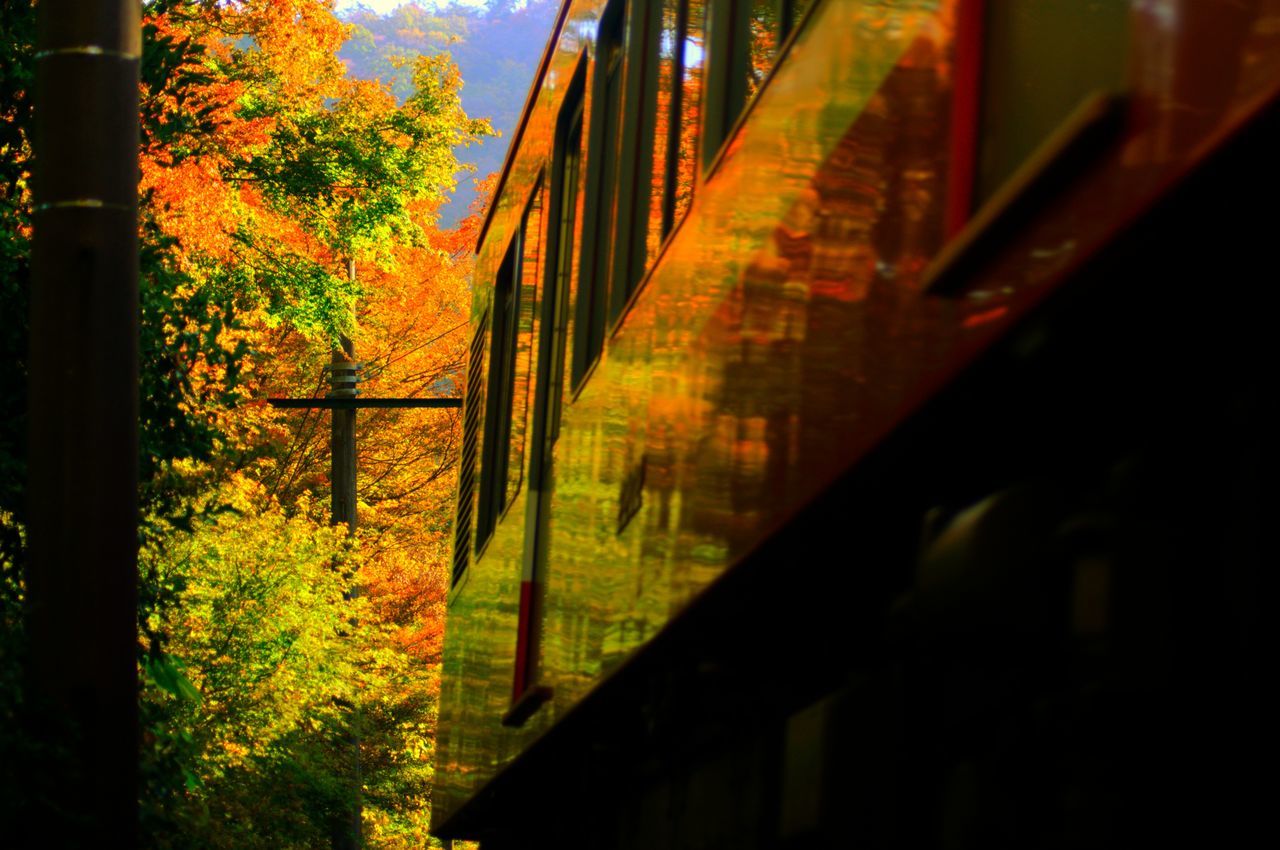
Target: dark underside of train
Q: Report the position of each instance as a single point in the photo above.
(1031, 618)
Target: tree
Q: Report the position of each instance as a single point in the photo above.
(270, 173)
(265, 170)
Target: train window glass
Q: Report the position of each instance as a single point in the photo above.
(743, 38)
(497, 413)
(526, 334)
(666, 125)
(1041, 59)
(512, 332)
(792, 12)
(692, 58)
(636, 154)
(602, 164)
(680, 58)
(723, 86)
(763, 26)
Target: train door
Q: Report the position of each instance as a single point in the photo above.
(528, 692)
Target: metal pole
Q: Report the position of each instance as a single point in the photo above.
(82, 573)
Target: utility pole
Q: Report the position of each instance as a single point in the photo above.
(343, 399)
(344, 375)
(83, 438)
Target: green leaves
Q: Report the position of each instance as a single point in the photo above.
(351, 168)
(254, 647)
(165, 672)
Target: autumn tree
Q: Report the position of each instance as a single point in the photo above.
(266, 172)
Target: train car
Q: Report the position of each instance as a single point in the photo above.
(865, 431)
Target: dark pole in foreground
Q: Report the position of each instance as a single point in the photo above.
(83, 473)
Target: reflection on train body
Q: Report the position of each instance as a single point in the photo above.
(714, 239)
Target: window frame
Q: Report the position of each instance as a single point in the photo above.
(726, 103)
(635, 157)
(497, 491)
(560, 265)
(603, 133)
(499, 395)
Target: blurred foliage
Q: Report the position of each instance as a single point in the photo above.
(17, 35)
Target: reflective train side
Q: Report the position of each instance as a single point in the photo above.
(767, 288)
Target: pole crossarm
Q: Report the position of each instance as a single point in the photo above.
(350, 403)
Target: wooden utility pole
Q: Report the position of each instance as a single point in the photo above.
(83, 438)
(343, 400)
(344, 377)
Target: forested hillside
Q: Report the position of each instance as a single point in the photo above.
(496, 48)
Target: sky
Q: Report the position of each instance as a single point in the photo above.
(382, 7)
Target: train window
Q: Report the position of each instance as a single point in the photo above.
(744, 36)
(513, 330)
(690, 67)
(497, 413)
(526, 336)
(656, 227)
(565, 184)
(717, 117)
(678, 102)
(791, 13)
(763, 26)
(635, 154)
(641, 153)
(1041, 58)
(602, 181)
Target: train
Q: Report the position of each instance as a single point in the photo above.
(867, 429)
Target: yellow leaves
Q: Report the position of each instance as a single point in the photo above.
(271, 168)
(297, 43)
(266, 628)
